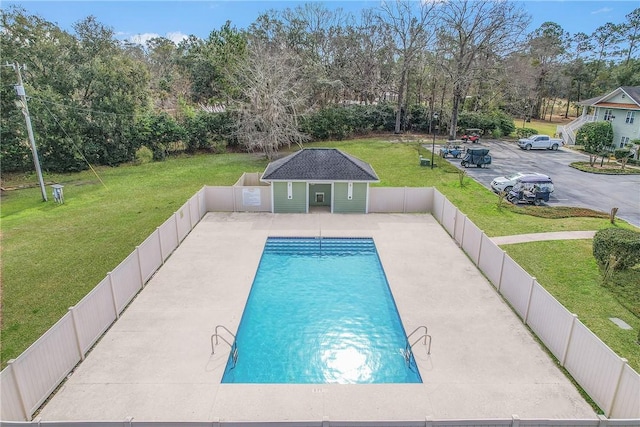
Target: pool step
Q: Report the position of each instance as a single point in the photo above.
(319, 246)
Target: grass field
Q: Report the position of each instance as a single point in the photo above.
(53, 255)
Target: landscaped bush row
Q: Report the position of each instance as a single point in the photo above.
(341, 122)
(525, 132)
(617, 248)
(195, 130)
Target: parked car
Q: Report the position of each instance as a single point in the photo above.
(506, 183)
(532, 189)
(539, 142)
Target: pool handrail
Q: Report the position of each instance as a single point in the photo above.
(217, 335)
(425, 336)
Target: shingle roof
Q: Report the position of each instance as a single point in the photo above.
(319, 164)
(632, 91)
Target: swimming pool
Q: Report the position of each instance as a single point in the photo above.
(320, 311)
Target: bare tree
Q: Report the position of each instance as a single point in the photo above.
(273, 97)
(408, 23)
(474, 29)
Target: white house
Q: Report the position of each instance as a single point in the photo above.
(620, 107)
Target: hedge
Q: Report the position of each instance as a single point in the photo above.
(623, 244)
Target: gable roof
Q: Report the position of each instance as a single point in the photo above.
(632, 92)
(319, 164)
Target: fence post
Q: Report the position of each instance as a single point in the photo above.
(623, 363)
(404, 200)
(16, 380)
(139, 267)
(76, 331)
(499, 284)
(526, 312)
(602, 421)
(234, 200)
(566, 347)
(455, 223)
(113, 295)
(160, 244)
(175, 221)
(482, 236)
(464, 228)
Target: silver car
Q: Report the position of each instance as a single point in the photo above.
(505, 183)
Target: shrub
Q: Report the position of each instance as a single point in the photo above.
(525, 132)
(595, 137)
(504, 123)
(143, 155)
(621, 153)
(619, 244)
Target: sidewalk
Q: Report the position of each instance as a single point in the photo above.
(536, 237)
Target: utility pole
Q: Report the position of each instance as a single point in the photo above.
(22, 104)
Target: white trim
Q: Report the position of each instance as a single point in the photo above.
(290, 190)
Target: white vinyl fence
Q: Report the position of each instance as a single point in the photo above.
(607, 378)
(29, 380)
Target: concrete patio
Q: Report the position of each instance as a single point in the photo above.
(155, 363)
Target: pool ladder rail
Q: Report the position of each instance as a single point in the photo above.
(407, 350)
(234, 346)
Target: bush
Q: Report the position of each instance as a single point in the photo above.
(341, 122)
(496, 123)
(596, 137)
(504, 123)
(207, 131)
(622, 244)
(621, 153)
(143, 155)
(525, 132)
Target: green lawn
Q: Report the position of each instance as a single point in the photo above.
(575, 282)
(53, 255)
(543, 127)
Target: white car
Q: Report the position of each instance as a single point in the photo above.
(505, 183)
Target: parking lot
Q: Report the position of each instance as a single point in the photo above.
(572, 187)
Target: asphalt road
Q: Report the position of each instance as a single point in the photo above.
(572, 187)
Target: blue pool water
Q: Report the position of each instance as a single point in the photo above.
(320, 311)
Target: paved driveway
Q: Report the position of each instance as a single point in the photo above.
(572, 187)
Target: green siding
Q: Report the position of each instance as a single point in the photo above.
(281, 204)
(319, 188)
(358, 203)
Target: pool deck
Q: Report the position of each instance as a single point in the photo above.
(155, 362)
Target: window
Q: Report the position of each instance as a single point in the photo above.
(631, 115)
(608, 115)
(319, 197)
(624, 141)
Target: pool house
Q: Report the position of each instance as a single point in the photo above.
(317, 179)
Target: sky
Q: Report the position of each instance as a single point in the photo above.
(141, 20)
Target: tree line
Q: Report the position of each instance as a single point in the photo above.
(302, 73)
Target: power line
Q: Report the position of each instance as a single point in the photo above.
(75, 146)
(88, 110)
